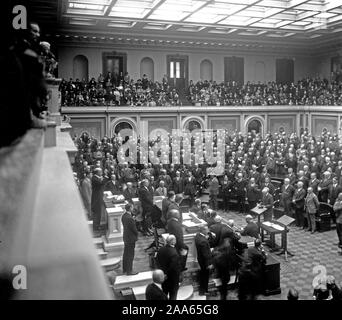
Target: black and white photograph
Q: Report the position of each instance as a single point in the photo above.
(188, 151)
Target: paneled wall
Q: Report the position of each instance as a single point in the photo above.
(100, 121)
(257, 67)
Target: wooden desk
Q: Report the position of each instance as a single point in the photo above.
(271, 276)
(272, 232)
(258, 211)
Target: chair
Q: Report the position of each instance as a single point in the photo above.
(324, 217)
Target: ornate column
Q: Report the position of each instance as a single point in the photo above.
(54, 100)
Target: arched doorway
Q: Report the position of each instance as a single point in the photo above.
(255, 125)
(206, 70)
(192, 125)
(80, 67)
(124, 129)
(147, 67)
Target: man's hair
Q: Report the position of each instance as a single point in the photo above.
(128, 206)
(170, 194)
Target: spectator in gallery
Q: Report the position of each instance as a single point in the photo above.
(154, 290)
(130, 237)
(312, 207)
(169, 261)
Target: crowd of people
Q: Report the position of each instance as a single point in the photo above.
(311, 168)
(121, 90)
(306, 92)
(118, 90)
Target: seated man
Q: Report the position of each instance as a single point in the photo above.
(154, 290)
(251, 229)
(196, 208)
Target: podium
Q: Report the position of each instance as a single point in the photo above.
(279, 226)
(258, 211)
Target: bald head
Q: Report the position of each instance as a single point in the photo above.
(158, 276)
(171, 240)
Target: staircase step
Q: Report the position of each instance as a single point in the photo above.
(111, 264)
(140, 279)
(196, 296)
(139, 292)
(98, 242)
(185, 292)
(102, 254)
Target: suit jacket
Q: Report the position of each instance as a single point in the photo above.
(251, 230)
(311, 203)
(113, 188)
(253, 193)
(146, 199)
(299, 198)
(130, 231)
(174, 227)
(292, 178)
(270, 186)
(178, 185)
(305, 182)
(240, 187)
(333, 192)
(204, 257)
(161, 191)
(314, 185)
(169, 261)
(130, 194)
(153, 292)
(97, 185)
(214, 187)
(190, 186)
(268, 202)
(287, 195)
(165, 207)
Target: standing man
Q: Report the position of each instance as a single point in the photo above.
(174, 227)
(334, 190)
(204, 258)
(146, 200)
(299, 201)
(86, 190)
(314, 182)
(312, 206)
(154, 290)
(169, 261)
(240, 187)
(287, 191)
(267, 201)
(323, 187)
(253, 194)
(130, 237)
(338, 213)
(97, 185)
(214, 187)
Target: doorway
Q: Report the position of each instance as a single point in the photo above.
(177, 71)
(255, 125)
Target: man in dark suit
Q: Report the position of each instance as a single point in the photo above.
(146, 200)
(299, 201)
(204, 258)
(169, 261)
(268, 184)
(113, 185)
(154, 290)
(174, 227)
(323, 187)
(97, 185)
(292, 176)
(334, 191)
(267, 201)
(251, 229)
(130, 237)
(240, 187)
(287, 191)
(178, 183)
(130, 193)
(166, 202)
(313, 183)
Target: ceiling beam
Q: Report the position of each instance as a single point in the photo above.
(204, 4)
(154, 8)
